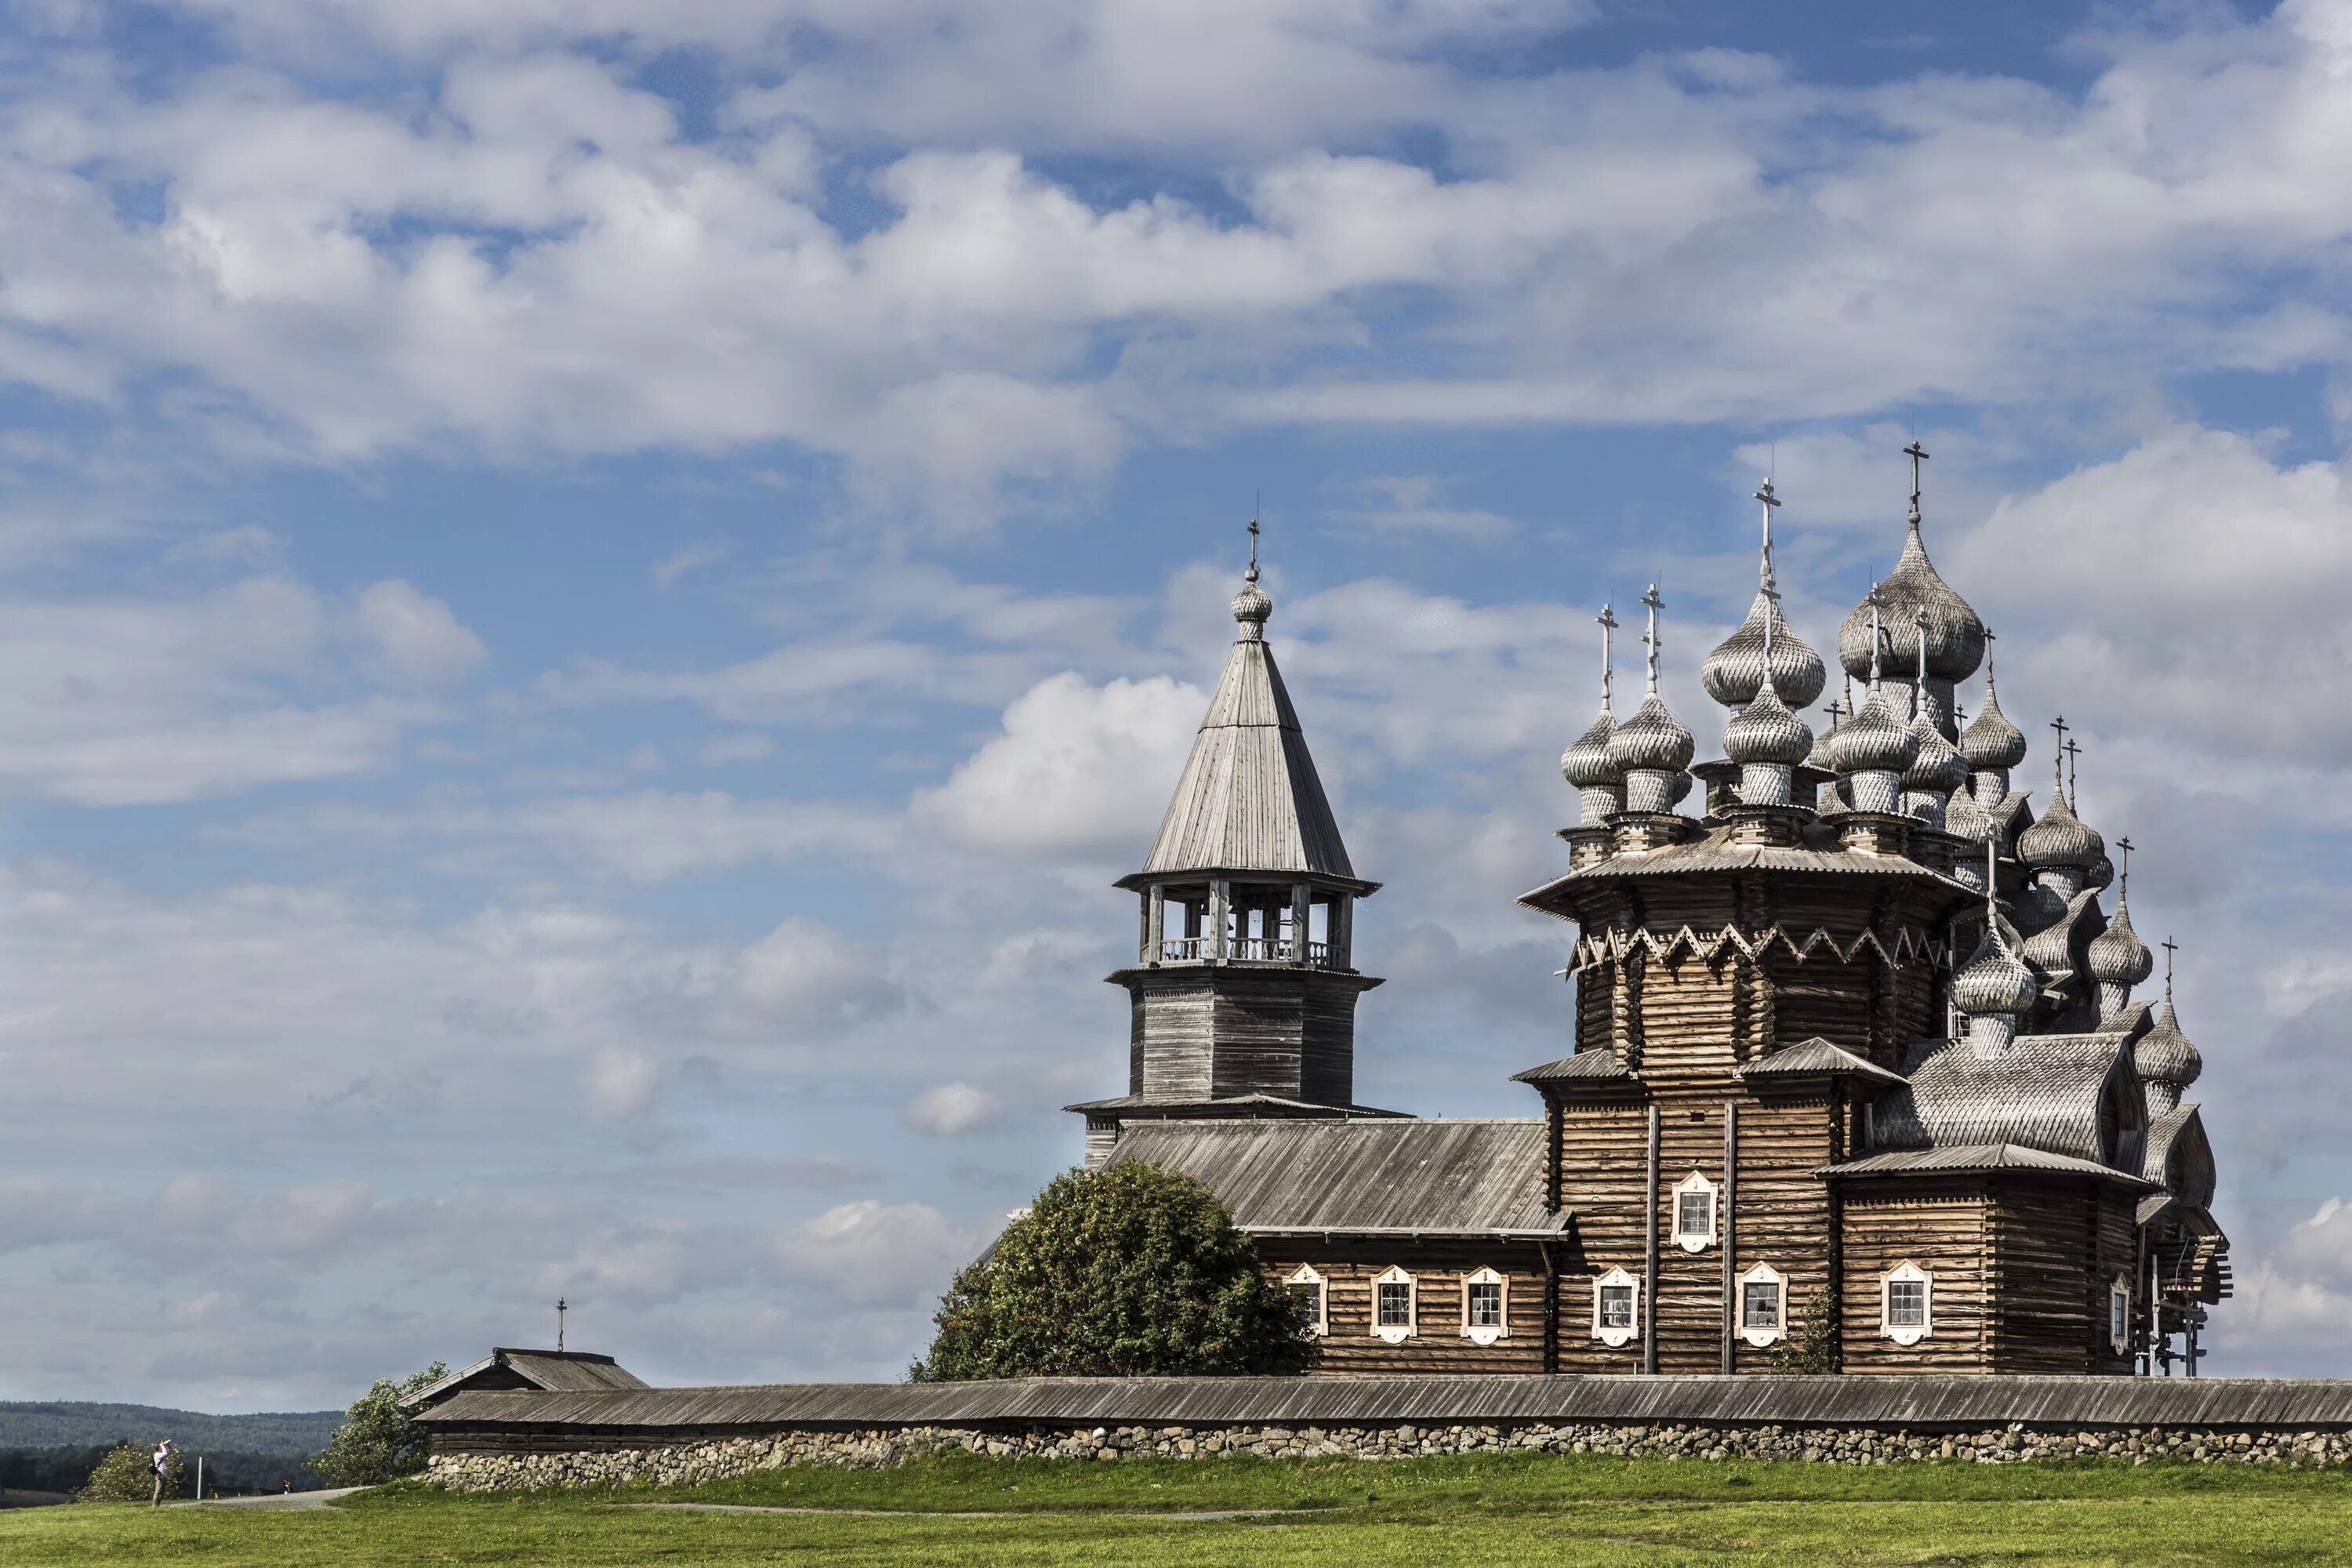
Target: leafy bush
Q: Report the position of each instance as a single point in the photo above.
(377, 1441)
(1814, 1347)
(1131, 1271)
(123, 1477)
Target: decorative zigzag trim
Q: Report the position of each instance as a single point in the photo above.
(1616, 946)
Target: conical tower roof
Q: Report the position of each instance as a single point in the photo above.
(1250, 799)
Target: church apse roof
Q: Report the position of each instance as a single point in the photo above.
(1361, 1178)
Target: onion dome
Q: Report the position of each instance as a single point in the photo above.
(1734, 673)
(1937, 767)
(1990, 740)
(1955, 636)
(1964, 819)
(1586, 763)
(1766, 732)
(1251, 605)
(1873, 741)
(2060, 838)
(2118, 957)
(1652, 739)
(1994, 979)
(2164, 1055)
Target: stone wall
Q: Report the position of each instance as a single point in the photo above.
(688, 1459)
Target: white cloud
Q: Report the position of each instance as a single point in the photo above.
(1078, 768)
(415, 637)
(948, 1109)
(618, 1083)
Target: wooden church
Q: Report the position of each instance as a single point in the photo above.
(1859, 1080)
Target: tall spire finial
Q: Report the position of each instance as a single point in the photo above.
(1992, 866)
(1650, 638)
(1877, 636)
(2074, 795)
(1989, 642)
(2123, 873)
(1250, 575)
(2170, 947)
(1764, 493)
(1608, 664)
(2058, 758)
(1917, 455)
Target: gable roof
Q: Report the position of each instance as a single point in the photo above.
(1249, 799)
(556, 1372)
(1964, 1158)
(1583, 1066)
(1817, 1058)
(2044, 1091)
(1435, 1177)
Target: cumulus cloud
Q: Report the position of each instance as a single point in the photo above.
(415, 637)
(948, 1109)
(1077, 769)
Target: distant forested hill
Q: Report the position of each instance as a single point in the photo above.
(63, 1424)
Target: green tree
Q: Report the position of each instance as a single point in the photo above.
(1129, 1271)
(123, 1477)
(378, 1441)
(1814, 1347)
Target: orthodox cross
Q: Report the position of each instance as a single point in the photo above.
(2073, 798)
(558, 1325)
(1960, 716)
(1251, 576)
(1834, 711)
(1650, 638)
(1764, 493)
(1877, 635)
(1989, 642)
(2123, 874)
(1917, 455)
(2058, 763)
(1919, 688)
(2170, 947)
(1608, 624)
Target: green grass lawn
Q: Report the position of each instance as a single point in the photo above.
(1429, 1513)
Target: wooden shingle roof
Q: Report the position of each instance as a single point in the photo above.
(555, 1372)
(2046, 1092)
(1438, 1177)
(1250, 799)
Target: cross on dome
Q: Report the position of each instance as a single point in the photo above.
(1650, 638)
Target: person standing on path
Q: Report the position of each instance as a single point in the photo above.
(160, 1461)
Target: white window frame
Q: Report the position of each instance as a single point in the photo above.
(1305, 1274)
(1696, 1240)
(1396, 1333)
(1624, 1334)
(2119, 1313)
(1763, 1274)
(1500, 1329)
(1908, 1333)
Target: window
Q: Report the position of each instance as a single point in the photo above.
(1484, 1317)
(1392, 1306)
(1906, 1304)
(1308, 1286)
(1694, 1213)
(1616, 1308)
(1763, 1305)
(2119, 1323)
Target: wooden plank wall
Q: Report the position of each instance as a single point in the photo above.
(1438, 1268)
(1940, 1224)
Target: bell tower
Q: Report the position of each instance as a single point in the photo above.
(1244, 987)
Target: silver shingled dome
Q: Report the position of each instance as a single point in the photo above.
(1586, 763)
(1994, 980)
(1956, 639)
(1990, 740)
(1652, 739)
(1734, 673)
(2118, 957)
(1873, 741)
(2058, 838)
(1765, 730)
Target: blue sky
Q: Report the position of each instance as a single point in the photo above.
(593, 594)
